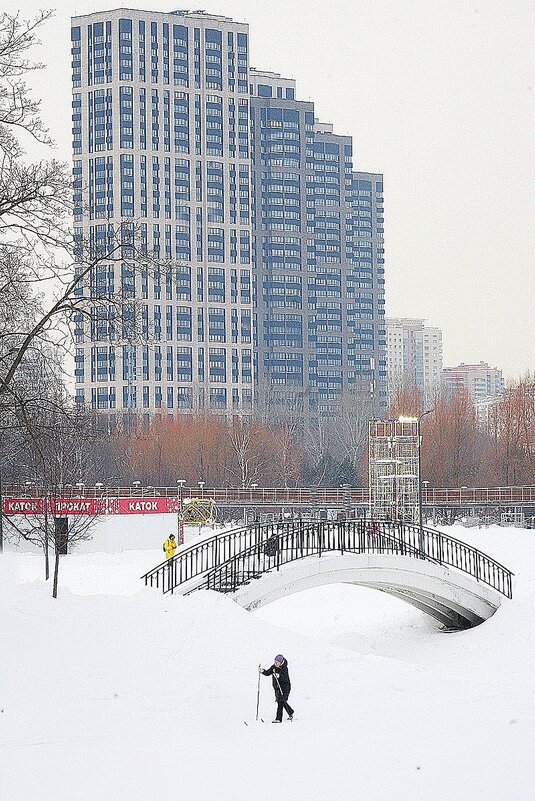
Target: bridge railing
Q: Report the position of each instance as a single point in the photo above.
(195, 560)
(225, 495)
(279, 496)
(225, 561)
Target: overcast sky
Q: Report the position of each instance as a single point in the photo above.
(439, 97)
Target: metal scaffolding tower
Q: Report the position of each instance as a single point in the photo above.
(394, 470)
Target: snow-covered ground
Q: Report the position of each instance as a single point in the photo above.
(115, 693)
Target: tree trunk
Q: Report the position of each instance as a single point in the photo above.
(56, 571)
(47, 560)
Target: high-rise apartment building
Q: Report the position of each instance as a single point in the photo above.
(319, 254)
(480, 381)
(269, 245)
(161, 140)
(413, 357)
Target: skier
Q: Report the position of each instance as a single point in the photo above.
(281, 684)
(169, 546)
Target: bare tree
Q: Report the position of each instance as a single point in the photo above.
(34, 203)
(50, 274)
(244, 441)
(453, 446)
(59, 448)
(349, 427)
(512, 427)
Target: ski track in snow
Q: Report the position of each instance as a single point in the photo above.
(113, 692)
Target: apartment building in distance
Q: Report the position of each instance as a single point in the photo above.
(480, 381)
(413, 357)
(271, 243)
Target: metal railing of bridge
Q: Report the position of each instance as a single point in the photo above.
(221, 495)
(299, 496)
(230, 560)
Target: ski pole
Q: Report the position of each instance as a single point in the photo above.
(258, 692)
(278, 685)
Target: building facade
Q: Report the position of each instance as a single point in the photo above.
(481, 382)
(161, 142)
(319, 255)
(268, 247)
(414, 357)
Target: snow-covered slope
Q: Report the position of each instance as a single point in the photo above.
(114, 693)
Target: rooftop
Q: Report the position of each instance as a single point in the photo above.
(195, 14)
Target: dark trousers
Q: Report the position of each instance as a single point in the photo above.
(282, 703)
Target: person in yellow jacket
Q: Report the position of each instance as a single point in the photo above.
(169, 546)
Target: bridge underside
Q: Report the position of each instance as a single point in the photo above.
(451, 597)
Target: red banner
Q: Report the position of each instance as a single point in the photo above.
(64, 507)
(77, 506)
(61, 507)
(23, 506)
(142, 506)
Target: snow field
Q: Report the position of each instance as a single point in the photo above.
(113, 692)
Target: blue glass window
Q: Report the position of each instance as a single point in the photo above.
(213, 59)
(142, 52)
(154, 52)
(180, 55)
(181, 122)
(165, 52)
(127, 185)
(76, 56)
(243, 86)
(125, 49)
(127, 116)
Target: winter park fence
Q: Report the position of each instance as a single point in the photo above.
(227, 561)
(24, 499)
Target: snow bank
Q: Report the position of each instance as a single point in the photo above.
(115, 693)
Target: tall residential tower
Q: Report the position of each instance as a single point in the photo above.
(269, 244)
(319, 254)
(161, 140)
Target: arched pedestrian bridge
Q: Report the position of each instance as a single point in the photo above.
(453, 582)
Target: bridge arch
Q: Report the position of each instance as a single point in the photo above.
(452, 598)
(450, 580)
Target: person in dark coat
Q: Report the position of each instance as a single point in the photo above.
(281, 684)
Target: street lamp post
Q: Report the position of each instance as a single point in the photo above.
(201, 486)
(419, 428)
(253, 487)
(425, 486)
(180, 482)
